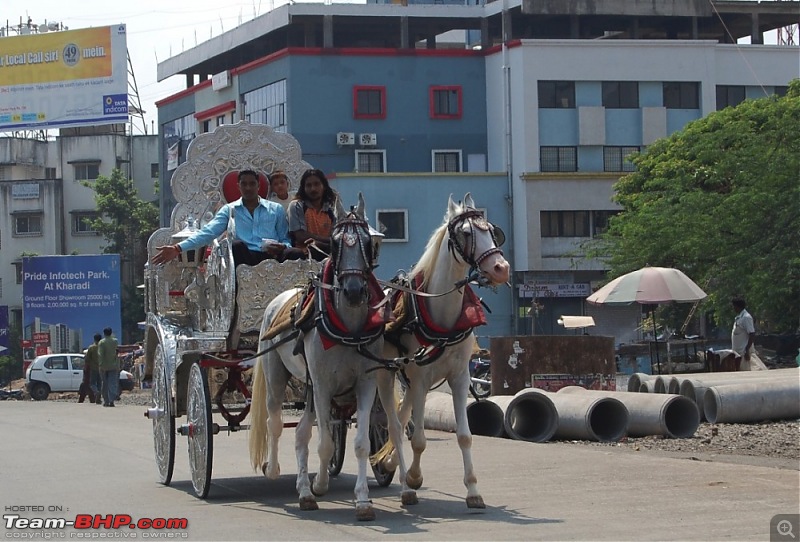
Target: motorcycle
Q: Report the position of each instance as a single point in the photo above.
(480, 372)
(11, 395)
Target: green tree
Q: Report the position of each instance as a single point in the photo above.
(719, 200)
(126, 222)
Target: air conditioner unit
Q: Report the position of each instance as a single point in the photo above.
(367, 140)
(345, 138)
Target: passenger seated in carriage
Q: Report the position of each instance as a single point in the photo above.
(311, 216)
(279, 188)
(261, 228)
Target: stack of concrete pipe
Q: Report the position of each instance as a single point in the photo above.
(733, 397)
(655, 414)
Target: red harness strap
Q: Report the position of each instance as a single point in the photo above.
(376, 318)
(472, 315)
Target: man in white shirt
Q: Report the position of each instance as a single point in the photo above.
(744, 332)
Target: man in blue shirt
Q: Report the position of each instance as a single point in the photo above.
(262, 231)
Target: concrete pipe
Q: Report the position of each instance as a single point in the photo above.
(648, 386)
(484, 417)
(669, 415)
(487, 417)
(753, 401)
(666, 382)
(586, 417)
(674, 387)
(530, 416)
(637, 379)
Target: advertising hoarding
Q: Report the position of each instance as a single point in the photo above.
(69, 299)
(60, 79)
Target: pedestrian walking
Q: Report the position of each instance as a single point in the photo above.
(109, 366)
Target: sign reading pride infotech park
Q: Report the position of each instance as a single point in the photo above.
(60, 79)
(71, 298)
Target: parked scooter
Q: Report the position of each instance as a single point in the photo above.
(8, 394)
(480, 372)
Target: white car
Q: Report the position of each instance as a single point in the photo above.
(62, 372)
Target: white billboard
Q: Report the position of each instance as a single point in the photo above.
(60, 79)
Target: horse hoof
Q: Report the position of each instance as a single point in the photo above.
(475, 502)
(414, 483)
(409, 498)
(365, 513)
(271, 474)
(308, 503)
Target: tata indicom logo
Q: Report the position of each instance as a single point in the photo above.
(115, 104)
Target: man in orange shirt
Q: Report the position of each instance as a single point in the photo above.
(311, 215)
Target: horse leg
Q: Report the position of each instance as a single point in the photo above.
(459, 386)
(322, 402)
(365, 395)
(386, 383)
(416, 394)
(302, 438)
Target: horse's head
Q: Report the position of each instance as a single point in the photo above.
(477, 241)
(352, 252)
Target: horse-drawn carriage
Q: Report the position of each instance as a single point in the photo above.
(206, 316)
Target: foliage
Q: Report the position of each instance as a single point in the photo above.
(126, 222)
(10, 369)
(125, 218)
(719, 201)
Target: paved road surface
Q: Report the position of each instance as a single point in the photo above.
(85, 459)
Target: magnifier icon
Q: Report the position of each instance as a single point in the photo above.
(784, 528)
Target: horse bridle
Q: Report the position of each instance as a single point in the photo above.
(351, 230)
(475, 219)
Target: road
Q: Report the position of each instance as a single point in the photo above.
(66, 459)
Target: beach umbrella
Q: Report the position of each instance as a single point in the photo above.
(650, 286)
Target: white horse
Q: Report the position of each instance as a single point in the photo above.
(346, 331)
(440, 330)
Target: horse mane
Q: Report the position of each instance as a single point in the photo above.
(427, 262)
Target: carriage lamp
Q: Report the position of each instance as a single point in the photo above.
(192, 257)
(377, 239)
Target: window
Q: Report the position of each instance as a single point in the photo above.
(781, 91)
(393, 224)
(565, 223)
(559, 158)
(682, 95)
(369, 102)
(49, 173)
(206, 126)
(57, 363)
(82, 223)
(28, 224)
(18, 271)
(729, 96)
(154, 170)
(370, 161)
(621, 94)
(616, 158)
(87, 172)
(220, 120)
(600, 221)
(445, 102)
(267, 105)
(557, 94)
(447, 161)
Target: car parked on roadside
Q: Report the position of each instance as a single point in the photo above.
(62, 373)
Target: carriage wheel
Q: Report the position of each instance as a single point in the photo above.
(339, 434)
(201, 448)
(163, 420)
(378, 436)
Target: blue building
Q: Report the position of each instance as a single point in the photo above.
(533, 107)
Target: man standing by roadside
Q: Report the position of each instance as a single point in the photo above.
(109, 367)
(743, 335)
(91, 369)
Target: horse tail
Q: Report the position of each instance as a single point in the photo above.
(258, 417)
(381, 455)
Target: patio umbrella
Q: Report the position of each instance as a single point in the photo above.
(649, 286)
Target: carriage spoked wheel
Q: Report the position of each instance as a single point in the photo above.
(378, 437)
(339, 435)
(163, 419)
(201, 434)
